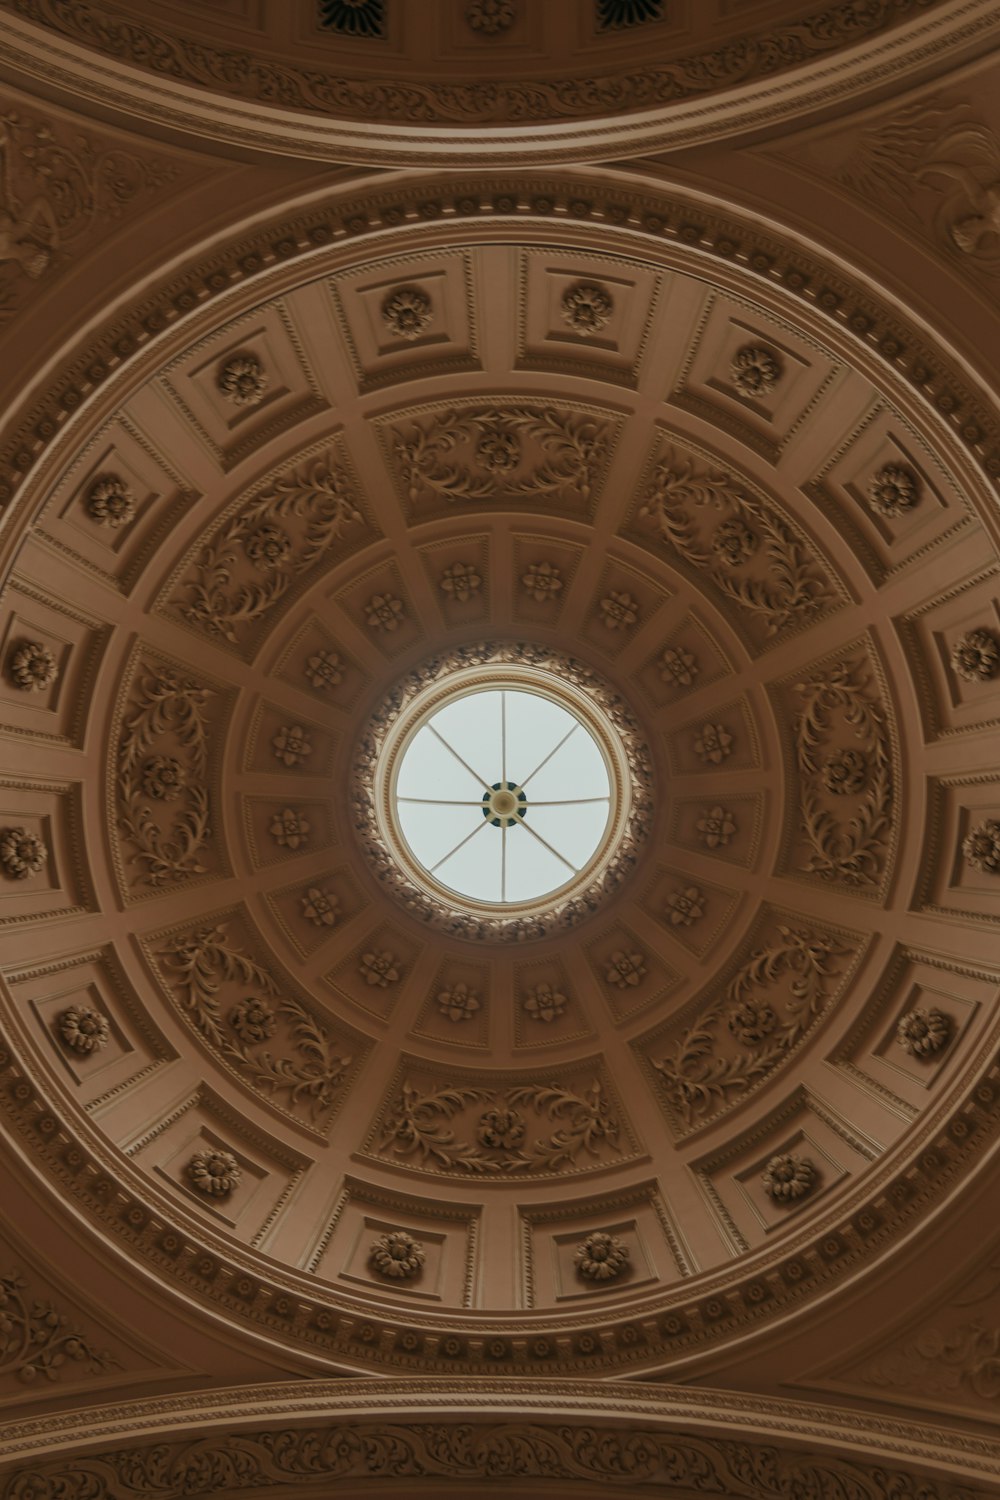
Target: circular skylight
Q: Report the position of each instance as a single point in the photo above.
(503, 795)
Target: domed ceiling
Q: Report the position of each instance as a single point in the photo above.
(344, 1140)
(388, 440)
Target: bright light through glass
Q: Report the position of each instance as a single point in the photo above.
(503, 795)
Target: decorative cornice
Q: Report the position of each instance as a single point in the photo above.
(759, 79)
(674, 1440)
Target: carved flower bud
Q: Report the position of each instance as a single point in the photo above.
(21, 853)
(601, 1257)
(619, 610)
(716, 827)
(754, 371)
(921, 1033)
(976, 656)
(110, 502)
(981, 847)
(713, 744)
(289, 829)
(325, 669)
(384, 612)
(587, 308)
(321, 908)
(214, 1172)
(242, 380)
(544, 1003)
(267, 547)
(498, 452)
(893, 489)
(407, 312)
(788, 1177)
(845, 771)
(291, 745)
(163, 778)
(734, 542)
(461, 582)
(83, 1029)
(397, 1255)
(542, 581)
(751, 1022)
(501, 1129)
(253, 1020)
(32, 666)
(625, 969)
(678, 666)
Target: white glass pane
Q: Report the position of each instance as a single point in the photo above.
(576, 770)
(427, 770)
(475, 870)
(531, 869)
(432, 831)
(472, 728)
(575, 831)
(534, 727)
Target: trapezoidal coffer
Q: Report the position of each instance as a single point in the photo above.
(502, 791)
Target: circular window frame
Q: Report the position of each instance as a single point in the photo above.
(514, 667)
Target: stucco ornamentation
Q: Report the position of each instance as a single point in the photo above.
(924, 1033)
(975, 656)
(542, 581)
(619, 610)
(37, 1340)
(406, 312)
(354, 17)
(214, 1172)
(716, 827)
(767, 1007)
(22, 854)
(242, 380)
(397, 1255)
(321, 908)
(253, 1020)
(379, 969)
(324, 669)
(384, 612)
(163, 759)
(83, 1029)
(847, 839)
(685, 907)
(981, 847)
(788, 1177)
(625, 970)
(218, 592)
(713, 745)
(461, 582)
(419, 1127)
(305, 1069)
(893, 490)
(289, 829)
(754, 370)
(491, 452)
(110, 502)
(458, 1002)
(490, 16)
(587, 308)
(789, 588)
(32, 666)
(601, 1257)
(544, 1003)
(679, 666)
(291, 745)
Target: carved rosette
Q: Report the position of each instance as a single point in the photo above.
(242, 380)
(487, 926)
(397, 1256)
(215, 1173)
(83, 1029)
(32, 667)
(587, 308)
(22, 854)
(975, 656)
(788, 1177)
(754, 371)
(601, 1257)
(924, 1033)
(406, 312)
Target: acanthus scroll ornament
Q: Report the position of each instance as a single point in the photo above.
(316, 499)
(753, 557)
(168, 711)
(307, 1071)
(766, 1009)
(419, 1126)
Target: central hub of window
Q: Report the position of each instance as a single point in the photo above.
(503, 794)
(501, 791)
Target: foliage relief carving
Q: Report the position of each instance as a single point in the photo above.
(36, 1339)
(202, 966)
(774, 577)
(764, 1011)
(252, 561)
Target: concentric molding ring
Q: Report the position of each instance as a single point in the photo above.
(608, 715)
